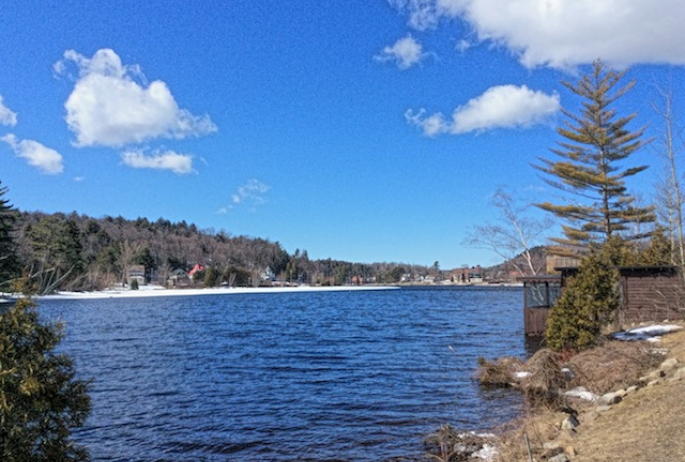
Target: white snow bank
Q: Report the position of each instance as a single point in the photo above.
(157, 291)
(648, 333)
(521, 374)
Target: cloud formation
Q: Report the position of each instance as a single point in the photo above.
(37, 155)
(505, 106)
(110, 106)
(404, 53)
(252, 192)
(7, 117)
(564, 34)
(181, 164)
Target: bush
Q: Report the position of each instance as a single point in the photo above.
(586, 304)
(134, 284)
(40, 401)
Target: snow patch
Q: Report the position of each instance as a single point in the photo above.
(648, 333)
(582, 393)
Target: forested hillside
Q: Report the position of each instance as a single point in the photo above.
(77, 252)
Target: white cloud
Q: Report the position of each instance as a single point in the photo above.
(423, 14)
(505, 106)
(7, 117)
(404, 53)
(564, 34)
(169, 160)
(251, 192)
(109, 106)
(37, 155)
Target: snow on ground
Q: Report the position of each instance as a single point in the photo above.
(648, 333)
(582, 393)
(158, 291)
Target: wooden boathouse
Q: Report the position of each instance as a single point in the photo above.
(646, 293)
(539, 295)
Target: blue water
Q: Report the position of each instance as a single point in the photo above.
(323, 376)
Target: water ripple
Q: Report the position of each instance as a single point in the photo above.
(358, 376)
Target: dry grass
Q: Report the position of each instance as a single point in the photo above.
(647, 426)
(499, 373)
(613, 365)
(544, 385)
(450, 445)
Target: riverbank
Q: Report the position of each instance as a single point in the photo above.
(640, 420)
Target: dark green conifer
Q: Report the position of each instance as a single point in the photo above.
(40, 399)
(587, 303)
(9, 264)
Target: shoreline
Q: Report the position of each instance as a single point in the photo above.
(158, 291)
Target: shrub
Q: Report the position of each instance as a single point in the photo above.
(40, 400)
(584, 307)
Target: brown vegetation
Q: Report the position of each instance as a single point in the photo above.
(645, 426)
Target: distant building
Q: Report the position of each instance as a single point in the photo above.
(467, 275)
(136, 273)
(196, 268)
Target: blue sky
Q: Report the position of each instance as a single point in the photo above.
(367, 131)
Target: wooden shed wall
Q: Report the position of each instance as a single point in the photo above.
(535, 320)
(651, 297)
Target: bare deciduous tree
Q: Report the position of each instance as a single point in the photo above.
(513, 235)
(668, 189)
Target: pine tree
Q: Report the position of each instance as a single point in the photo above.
(8, 260)
(596, 142)
(41, 401)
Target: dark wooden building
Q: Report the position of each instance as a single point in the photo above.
(647, 294)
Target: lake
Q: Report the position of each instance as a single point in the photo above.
(320, 376)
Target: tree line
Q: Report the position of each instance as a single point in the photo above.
(59, 251)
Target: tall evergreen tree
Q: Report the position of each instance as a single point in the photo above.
(596, 142)
(8, 259)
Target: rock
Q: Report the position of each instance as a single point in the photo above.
(570, 423)
(610, 398)
(653, 383)
(679, 374)
(669, 364)
(656, 374)
(631, 389)
(550, 453)
(551, 445)
(603, 408)
(571, 451)
(560, 458)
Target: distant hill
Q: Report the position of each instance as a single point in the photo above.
(77, 252)
(518, 266)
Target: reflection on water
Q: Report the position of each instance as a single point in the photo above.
(359, 376)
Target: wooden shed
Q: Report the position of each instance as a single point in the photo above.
(539, 294)
(647, 294)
